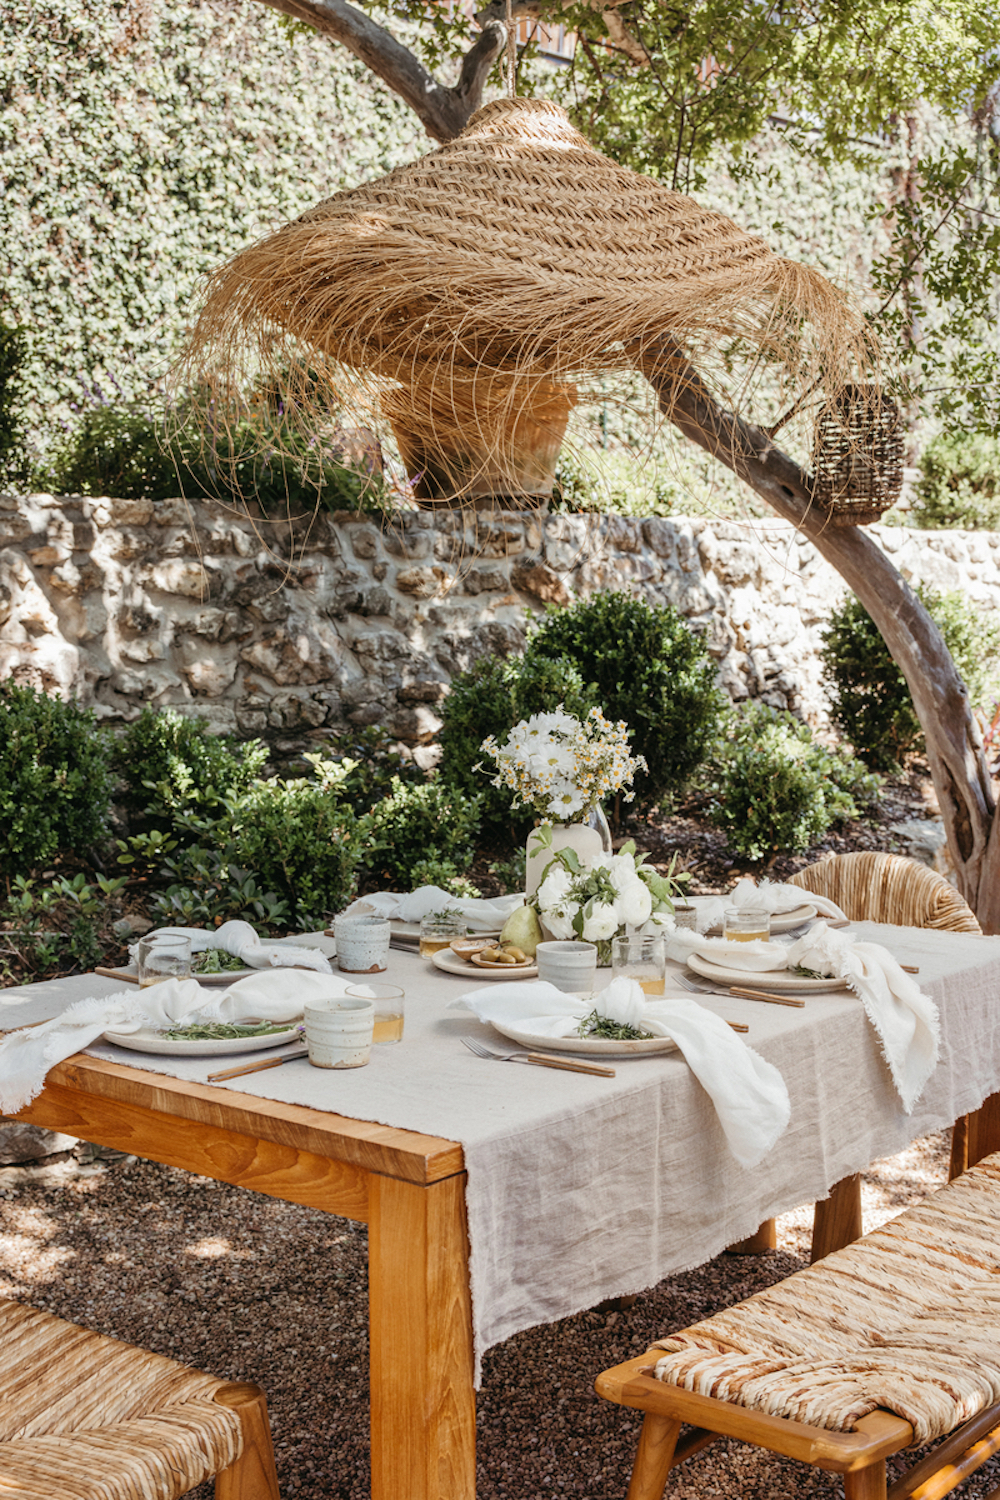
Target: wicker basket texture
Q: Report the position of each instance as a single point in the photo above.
(874, 887)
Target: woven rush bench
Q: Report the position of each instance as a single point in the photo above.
(891, 1343)
(85, 1417)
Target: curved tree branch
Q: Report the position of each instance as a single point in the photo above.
(443, 112)
(961, 776)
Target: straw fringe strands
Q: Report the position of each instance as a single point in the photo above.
(469, 298)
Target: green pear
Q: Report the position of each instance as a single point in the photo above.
(522, 930)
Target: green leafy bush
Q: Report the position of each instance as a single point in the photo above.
(13, 356)
(55, 780)
(490, 698)
(417, 827)
(205, 887)
(132, 452)
(776, 790)
(650, 669)
(959, 482)
(55, 928)
(363, 768)
(869, 697)
(301, 844)
(173, 766)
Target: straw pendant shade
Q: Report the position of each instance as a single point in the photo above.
(467, 298)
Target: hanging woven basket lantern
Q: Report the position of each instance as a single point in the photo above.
(468, 300)
(858, 455)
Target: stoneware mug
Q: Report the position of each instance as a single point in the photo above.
(362, 944)
(571, 967)
(339, 1032)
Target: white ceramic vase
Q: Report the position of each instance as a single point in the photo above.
(587, 839)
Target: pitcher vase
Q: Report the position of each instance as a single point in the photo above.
(589, 837)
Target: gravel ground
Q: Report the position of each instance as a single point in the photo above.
(255, 1289)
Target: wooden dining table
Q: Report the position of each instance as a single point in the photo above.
(410, 1187)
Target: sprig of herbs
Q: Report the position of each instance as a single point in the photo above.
(222, 1031)
(599, 1028)
(216, 961)
(803, 973)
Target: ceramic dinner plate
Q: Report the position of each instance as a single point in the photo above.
(766, 979)
(410, 931)
(130, 971)
(598, 1046)
(452, 964)
(784, 921)
(151, 1041)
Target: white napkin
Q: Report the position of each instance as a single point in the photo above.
(757, 957)
(480, 915)
(242, 941)
(749, 1094)
(769, 896)
(905, 1019)
(27, 1055)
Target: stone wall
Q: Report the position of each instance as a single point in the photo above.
(288, 630)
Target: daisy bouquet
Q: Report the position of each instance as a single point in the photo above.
(597, 899)
(561, 767)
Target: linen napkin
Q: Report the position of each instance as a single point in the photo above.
(749, 1094)
(27, 1055)
(905, 1020)
(769, 896)
(242, 941)
(480, 915)
(757, 957)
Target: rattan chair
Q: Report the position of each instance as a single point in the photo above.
(873, 887)
(85, 1417)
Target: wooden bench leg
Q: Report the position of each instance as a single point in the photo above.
(959, 1148)
(766, 1238)
(253, 1475)
(866, 1484)
(983, 1130)
(837, 1219)
(654, 1458)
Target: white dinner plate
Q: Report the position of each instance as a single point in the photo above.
(784, 921)
(452, 964)
(130, 971)
(599, 1046)
(151, 1041)
(410, 931)
(762, 979)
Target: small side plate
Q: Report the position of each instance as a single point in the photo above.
(598, 1046)
(763, 979)
(452, 964)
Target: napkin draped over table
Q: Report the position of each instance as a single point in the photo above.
(749, 1094)
(242, 941)
(27, 1055)
(480, 915)
(770, 896)
(904, 1018)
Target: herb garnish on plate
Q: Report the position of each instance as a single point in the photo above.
(599, 1028)
(802, 973)
(216, 961)
(223, 1031)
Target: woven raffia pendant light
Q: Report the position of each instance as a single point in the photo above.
(858, 455)
(468, 298)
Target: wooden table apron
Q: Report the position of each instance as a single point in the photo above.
(408, 1188)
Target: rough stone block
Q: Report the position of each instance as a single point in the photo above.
(661, 535)
(365, 541)
(180, 577)
(422, 583)
(210, 675)
(541, 582)
(410, 545)
(20, 1143)
(485, 580)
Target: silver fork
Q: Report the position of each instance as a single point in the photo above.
(539, 1058)
(737, 992)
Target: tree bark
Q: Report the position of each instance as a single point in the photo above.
(958, 766)
(443, 112)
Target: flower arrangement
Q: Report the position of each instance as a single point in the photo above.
(600, 898)
(560, 766)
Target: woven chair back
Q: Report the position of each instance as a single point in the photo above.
(873, 887)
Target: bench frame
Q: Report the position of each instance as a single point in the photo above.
(860, 1456)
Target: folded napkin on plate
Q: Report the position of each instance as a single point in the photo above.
(749, 1094)
(905, 1019)
(480, 915)
(27, 1055)
(240, 939)
(769, 896)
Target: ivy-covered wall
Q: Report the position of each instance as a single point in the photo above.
(143, 141)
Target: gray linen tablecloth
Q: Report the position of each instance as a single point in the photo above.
(582, 1188)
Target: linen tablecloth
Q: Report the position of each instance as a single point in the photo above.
(583, 1188)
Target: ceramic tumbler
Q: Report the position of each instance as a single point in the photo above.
(339, 1032)
(571, 967)
(362, 944)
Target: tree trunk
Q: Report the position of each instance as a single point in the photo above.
(958, 766)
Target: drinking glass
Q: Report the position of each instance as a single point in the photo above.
(389, 1002)
(162, 958)
(438, 929)
(685, 917)
(746, 926)
(642, 958)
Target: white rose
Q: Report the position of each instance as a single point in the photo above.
(600, 921)
(554, 887)
(621, 868)
(623, 1001)
(635, 904)
(559, 924)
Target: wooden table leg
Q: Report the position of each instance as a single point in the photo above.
(983, 1136)
(420, 1314)
(837, 1219)
(765, 1238)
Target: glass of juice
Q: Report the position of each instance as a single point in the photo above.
(642, 957)
(746, 926)
(389, 1002)
(438, 929)
(163, 957)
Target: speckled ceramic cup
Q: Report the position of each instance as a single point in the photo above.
(362, 944)
(339, 1032)
(571, 967)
